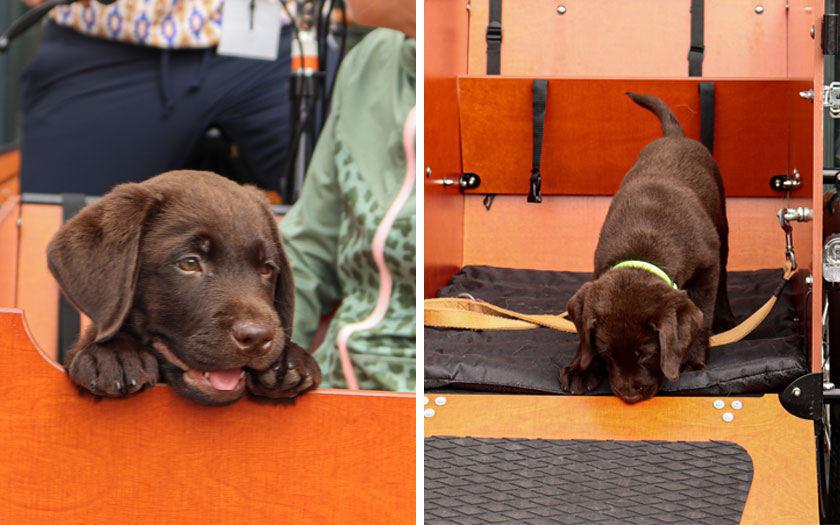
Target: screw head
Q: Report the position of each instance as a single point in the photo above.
(425, 400)
(561, 10)
(737, 405)
(796, 391)
(428, 171)
(728, 417)
(440, 401)
(759, 9)
(719, 404)
(429, 412)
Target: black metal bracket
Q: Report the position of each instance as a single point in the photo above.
(805, 397)
(829, 34)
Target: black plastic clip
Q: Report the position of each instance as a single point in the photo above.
(494, 32)
(829, 38)
(534, 194)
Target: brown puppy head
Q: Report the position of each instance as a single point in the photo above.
(640, 326)
(191, 265)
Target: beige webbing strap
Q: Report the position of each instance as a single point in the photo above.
(476, 315)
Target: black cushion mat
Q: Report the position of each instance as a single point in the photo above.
(529, 361)
(537, 481)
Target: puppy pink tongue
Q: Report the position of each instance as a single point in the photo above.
(224, 379)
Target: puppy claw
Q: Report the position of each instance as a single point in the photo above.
(300, 374)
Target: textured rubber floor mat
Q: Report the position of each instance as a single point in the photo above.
(539, 481)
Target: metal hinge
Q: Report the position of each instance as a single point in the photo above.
(830, 98)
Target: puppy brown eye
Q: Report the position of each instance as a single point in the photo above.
(189, 264)
(267, 270)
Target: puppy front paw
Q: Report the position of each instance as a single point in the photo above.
(115, 368)
(295, 373)
(575, 380)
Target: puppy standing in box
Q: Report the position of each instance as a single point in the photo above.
(184, 277)
(659, 285)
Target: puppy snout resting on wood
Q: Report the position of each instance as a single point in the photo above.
(658, 290)
(185, 278)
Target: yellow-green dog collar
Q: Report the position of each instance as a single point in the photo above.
(652, 268)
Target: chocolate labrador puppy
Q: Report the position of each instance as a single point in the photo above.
(185, 278)
(659, 285)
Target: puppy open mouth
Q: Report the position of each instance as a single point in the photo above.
(220, 386)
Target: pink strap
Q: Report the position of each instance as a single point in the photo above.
(385, 283)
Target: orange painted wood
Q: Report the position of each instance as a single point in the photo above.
(644, 38)
(9, 213)
(562, 232)
(9, 168)
(446, 53)
(816, 160)
(332, 457)
(594, 132)
(784, 485)
(37, 289)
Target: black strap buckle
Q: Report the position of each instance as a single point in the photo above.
(697, 50)
(494, 32)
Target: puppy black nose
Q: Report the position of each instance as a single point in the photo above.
(252, 339)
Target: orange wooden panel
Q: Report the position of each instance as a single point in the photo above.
(9, 213)
(445, 58)
(594, 132)
(562, 232)
(784, 485)
(332, 457)
(9, 182)
(643, 38)
(37, 289)
(816, 160)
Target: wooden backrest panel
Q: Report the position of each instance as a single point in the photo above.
(9, 182)
(594, 132)
(562, 233)
(646, 38)
(331, 457)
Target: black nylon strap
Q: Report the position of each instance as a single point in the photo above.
(697, 49)
(68, 318)
(540, 93)
(707, 114)
(494, 38)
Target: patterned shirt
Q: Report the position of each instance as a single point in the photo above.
(178, 24)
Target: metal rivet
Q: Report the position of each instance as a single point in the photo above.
(561, 10)
(737, 405)
(759, 9)
(428, 171)
(812, 32)
(19, 222)
(468, 7)
(796, 391)
(828, 385)
(719, 404)
(440, 401)
(429, 412)
(728, 417)
(425, 400)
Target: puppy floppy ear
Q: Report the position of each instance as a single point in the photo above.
(585, 322)
(95, 256)
(678, 327)
(284, 289)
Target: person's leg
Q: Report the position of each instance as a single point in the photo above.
(255, 109)
(99, 113)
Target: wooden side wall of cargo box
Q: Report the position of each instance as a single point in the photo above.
(562, 231)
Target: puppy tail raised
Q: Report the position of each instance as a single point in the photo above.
(670, 125)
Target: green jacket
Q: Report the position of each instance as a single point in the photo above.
(357, 168)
